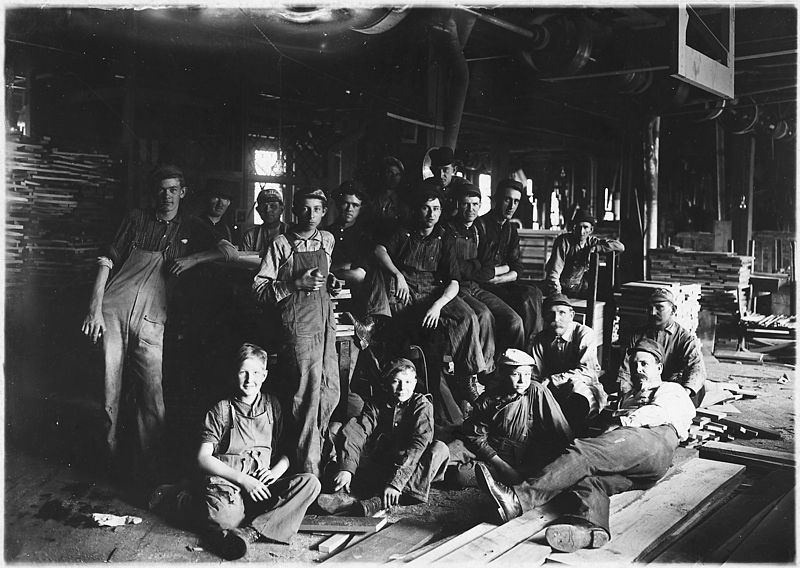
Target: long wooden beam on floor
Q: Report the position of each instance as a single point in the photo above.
(773, 540)
(451, 544)
(334, 524)
(745, 455)
(400, 538)
(646, 525)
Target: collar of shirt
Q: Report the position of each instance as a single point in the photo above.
(154, 215)
(670, 328)
(315, 236)
(437, 232)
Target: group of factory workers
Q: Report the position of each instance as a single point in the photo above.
(517, 398)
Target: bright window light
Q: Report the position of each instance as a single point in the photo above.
(485, 185)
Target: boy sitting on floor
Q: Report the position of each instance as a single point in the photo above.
(245, 493)
(395, 431)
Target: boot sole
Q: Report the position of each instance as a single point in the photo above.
(569, 538)
(480, 476)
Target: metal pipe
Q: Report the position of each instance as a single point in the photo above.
(501, 23)
(413, 121)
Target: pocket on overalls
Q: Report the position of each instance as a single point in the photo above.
(152, 331)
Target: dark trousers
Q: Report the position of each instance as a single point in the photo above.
(593, 469)
(277, 518)
(525, 300)
(509, 329)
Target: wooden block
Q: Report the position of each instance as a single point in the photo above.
(701, 420)
(759, 430)
(713, 427)
(773, 540)
(329, 523)
(503, 538)
(736, 453)
(451, 544)
(712, 414)
(334, 543)
(400, 538)
(739, 356)
(710, 541)
(651, 522)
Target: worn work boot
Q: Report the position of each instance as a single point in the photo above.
(332, 503)
(571, 534)
(508, 505)
(368, 507)
(363, 330)
(232, 544)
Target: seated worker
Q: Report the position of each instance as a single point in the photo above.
(567, 268)
(683, 361)
(444, 169)
(246, 495)
(269, 205)
(421, 293)
(499, 247)
(293, 277)
(354, 245)
(565, 360)
(501, 322)
(128, 309)
(388, 449)
(634, 453)
(516, 425)
(384, 211)
(218, 196)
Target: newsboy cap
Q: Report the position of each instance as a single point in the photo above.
(514, 358)
(583, 217)
(556, 300)
(312, 193)
(662, 295)
(648, 345)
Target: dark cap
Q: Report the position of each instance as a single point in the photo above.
(389, 161)
(395, 366)
(514, 358)
(512, 183)
(168, 171)
(662, 295)
(269, 194)
(466, 189)
(310, 192)
(221, 187)
(441, 157)
(583, 217)
(648, 345)
(556, 300)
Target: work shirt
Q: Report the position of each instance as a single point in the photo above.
(683, 361)
(425, 261)
(466, 242)
(273, 281)
(221, 230)
(258, 238)
(569, 261)
(217, 426)
(570, 361)
(354, 245)
(516, 426)
(666, 404)
(398, 434)
(499, 245)
(181, 236)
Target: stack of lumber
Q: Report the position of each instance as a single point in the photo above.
(722, 275)
(632, 303)
(344, 325)
(61, 211)
(778, 326)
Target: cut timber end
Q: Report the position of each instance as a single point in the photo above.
(333, 524)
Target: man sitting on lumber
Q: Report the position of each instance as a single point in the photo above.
(389, 449)
(517, 425)
(634, 452)
(683, 362)
(565, 360)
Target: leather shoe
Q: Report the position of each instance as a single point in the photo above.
(332, 503)
(369, 507)
(363, 330)
(232, 544)
(569, 534)
(509, 506)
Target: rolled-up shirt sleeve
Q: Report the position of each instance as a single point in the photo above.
(228, 250)
(670, 405)
(555, 265)
(267, 287)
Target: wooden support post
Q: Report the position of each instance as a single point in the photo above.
(720, 147)
(651, 178)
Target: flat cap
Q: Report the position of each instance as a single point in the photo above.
(466, 189)
(270, 194)
(441, 157)
(514, 358)
(167, 171)
(556, 300)
(394, 366)
(648, 345)
(583, 217)
(512, 183)
(662, 295)
(310, 193)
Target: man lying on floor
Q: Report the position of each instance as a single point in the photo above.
(245, 494)
(634, 453)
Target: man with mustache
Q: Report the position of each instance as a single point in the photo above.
(128, 308)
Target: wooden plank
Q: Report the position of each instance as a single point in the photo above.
(503, 538)
(651, 521)
(334, 524)
(334, 543)
(399, 538)
(451, 544)
(532, 552)
(706, 542)
(715, 415)
(773, 540)
(735, 453)
(760, 430)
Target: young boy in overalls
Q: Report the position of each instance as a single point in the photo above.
(389, 448)
(245, 493)
(293, 277)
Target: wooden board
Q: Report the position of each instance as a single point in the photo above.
(451, 544)
(760, 430)
(334, 543)
(773, 540)
(735, 453)
(531, 552)
(334, 524)
(399, 538)
(706, 543)
(503, 538)
(649, 522)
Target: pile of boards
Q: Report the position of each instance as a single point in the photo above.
(646, 525)
(722, 275)
(632, 303)
(59, 212)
